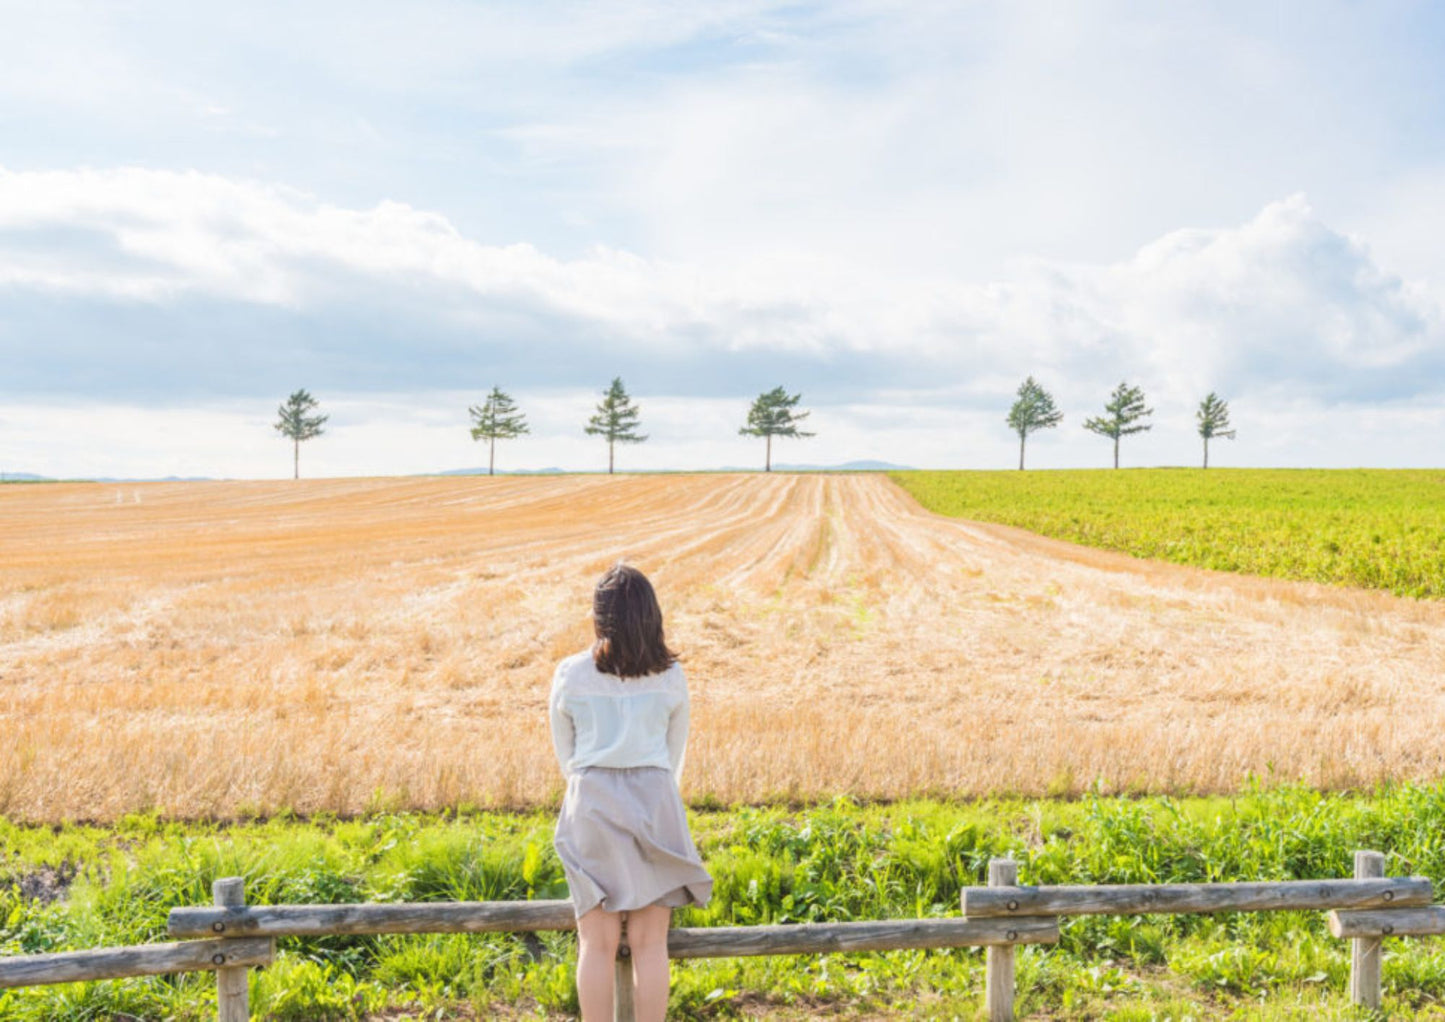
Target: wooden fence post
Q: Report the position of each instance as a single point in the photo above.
(232, 1000)
(999, 977)
(1365, 957)
(623, 991)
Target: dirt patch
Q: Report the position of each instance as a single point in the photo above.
(46, 884)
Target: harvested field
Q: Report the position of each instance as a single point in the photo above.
(215, 649)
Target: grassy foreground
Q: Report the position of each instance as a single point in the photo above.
(1382, 529)
(76, 887)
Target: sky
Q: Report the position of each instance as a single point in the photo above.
(898, 210)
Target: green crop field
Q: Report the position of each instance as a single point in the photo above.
(1381, 529)
(76, 887)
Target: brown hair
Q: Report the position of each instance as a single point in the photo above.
(628, 623)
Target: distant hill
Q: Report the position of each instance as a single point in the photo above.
(847, 466)
(511, 472)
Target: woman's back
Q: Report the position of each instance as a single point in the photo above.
(601, 720)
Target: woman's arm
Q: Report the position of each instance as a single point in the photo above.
(564, 733)
(677, 735)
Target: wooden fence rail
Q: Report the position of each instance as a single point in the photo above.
(234, 937)
(140, 960)
(1170, 899)
(522, 916)
(384, 917)
(1364, 909)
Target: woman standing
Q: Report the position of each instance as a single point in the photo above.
(619, 723)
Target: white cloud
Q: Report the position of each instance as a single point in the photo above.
(1282, 314)
(899, 209)
(1282, 300)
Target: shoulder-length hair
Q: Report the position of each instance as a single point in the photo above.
(628, 623)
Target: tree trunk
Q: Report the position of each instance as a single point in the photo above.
(492, 458)
(1021, 450)
(768, 463)
(1116, 452)
(609, 457)
(1206, 452)
(295, 459)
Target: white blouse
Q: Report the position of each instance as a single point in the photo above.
(606, 721)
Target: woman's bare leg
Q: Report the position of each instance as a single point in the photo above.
(647, 937)
(598, 933)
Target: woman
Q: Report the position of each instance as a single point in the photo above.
(619, 723)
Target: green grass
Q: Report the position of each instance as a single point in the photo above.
(1381, 529)
(79, 887)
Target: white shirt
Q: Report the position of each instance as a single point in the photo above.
(603, 720)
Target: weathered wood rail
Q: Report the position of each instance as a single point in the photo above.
(139, 960)
(1364, 909)
(682, 942)
(231, 937)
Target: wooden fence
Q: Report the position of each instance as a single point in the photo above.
(230, 937)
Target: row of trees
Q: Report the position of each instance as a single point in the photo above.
(773, 413)
(616, 420)
(1124, 415)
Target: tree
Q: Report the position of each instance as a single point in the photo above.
(297, 423)
(496, 419)
(1034, 410)
(1125, 407)
(1213, 418)
(772, 415)
(616, 419)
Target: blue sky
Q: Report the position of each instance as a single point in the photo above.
(898, 209)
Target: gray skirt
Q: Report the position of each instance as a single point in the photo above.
(623, 841)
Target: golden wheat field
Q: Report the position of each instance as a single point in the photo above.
(214, 649)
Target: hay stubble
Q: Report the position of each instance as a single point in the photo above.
(209, 649)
